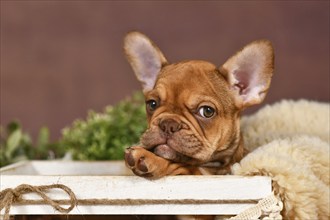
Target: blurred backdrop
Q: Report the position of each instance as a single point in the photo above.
(61, 58)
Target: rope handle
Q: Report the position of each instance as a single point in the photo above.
(11, 196)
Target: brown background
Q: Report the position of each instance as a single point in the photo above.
(61, 58)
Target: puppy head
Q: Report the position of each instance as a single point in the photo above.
(193, 107)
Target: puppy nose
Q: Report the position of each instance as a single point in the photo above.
(169, 126)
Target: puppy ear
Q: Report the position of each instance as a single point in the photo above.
(249, 73)
(145, 58)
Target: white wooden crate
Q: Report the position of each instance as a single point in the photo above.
(112, 180)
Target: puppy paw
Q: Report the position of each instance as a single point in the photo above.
(144, 163)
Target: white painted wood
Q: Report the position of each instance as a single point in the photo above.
(99, 182)
(59, 167)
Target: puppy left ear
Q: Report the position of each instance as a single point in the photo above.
(145, 58)
(249, 73)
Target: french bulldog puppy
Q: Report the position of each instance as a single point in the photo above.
(193, 108)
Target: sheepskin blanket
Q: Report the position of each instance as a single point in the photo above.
(289, 141)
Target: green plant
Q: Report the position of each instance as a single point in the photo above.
(17, 145)
(104, 136)
(101, 136)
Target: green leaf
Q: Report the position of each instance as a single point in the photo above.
(43, 137)
(41, 149)
(13, 142)
(13, 126)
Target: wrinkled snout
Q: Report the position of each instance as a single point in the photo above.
(169, 125)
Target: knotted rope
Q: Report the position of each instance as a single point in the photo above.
(12, 196)
(268, 208)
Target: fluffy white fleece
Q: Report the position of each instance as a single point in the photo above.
(289, 141)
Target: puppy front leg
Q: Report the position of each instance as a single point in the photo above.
(146, 164)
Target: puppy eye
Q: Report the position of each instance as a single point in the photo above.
(206, 111)
(152, 105)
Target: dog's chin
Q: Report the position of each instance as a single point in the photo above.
(174, 147)
(165, 151)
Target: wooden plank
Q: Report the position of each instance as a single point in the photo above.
(197, 209)
(87, 186)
